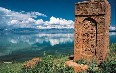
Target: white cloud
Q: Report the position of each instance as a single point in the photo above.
(112, 27)
(59, 23)
(13, 19)
(40, 21)
(20, 14)
(35, 14)
(31, 20)
(55, 23)
(18, 19)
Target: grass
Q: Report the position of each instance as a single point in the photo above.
(54, 64)
(10, 68)
(108, 66)
(51, 64)
(48, 64)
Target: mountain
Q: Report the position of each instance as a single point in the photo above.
(34, 30)
(112, 30)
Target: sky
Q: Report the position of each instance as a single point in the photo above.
(42, 13)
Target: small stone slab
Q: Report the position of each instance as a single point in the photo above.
(77, 67)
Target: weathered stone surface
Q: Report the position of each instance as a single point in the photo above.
(92, 21)
(90, 8)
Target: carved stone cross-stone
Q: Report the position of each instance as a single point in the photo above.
(91, 39)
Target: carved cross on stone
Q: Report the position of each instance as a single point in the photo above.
(91, 39)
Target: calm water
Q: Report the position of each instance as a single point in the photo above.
(19, 47)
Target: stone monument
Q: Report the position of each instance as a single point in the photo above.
(91, 28)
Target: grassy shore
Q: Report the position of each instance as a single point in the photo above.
(54, 64)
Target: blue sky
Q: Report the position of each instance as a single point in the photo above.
(45, 11)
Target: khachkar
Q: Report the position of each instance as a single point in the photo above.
(92, 22)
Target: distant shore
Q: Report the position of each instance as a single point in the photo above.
(112, 31)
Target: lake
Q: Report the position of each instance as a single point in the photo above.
(21, 47)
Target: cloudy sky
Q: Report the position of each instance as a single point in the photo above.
(41, 13)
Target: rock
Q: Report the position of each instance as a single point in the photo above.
(77, 67)
(81, 68)
(70, 63)
(8, 62)
(32, 63)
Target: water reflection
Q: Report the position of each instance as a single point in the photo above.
(13, 42)
(112, 37)
(54, 38)
(112, 34)
(19, 46)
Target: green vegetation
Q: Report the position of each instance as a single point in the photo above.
(51, 64)
(48, 64)
(55, 64)
(108, 66)
(10, 68)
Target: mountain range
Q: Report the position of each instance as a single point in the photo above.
(35, 30)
